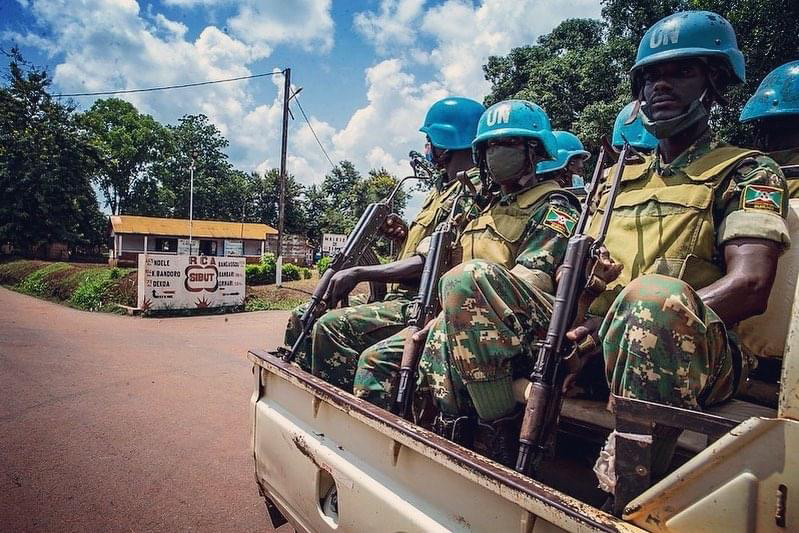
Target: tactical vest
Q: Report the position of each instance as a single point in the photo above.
(497, 233)
(435, 209)
(663, 224)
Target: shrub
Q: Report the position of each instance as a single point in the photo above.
(306, 273)
(323, 263)
(291, 272)
(93, 290)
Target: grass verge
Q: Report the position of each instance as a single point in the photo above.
(90, 287)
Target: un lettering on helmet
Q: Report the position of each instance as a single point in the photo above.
(498, 115)
(664, 35)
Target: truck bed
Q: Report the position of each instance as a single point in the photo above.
(390, 475)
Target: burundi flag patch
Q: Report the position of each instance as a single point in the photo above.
(561, 221)
(762, 197)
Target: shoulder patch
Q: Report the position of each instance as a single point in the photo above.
(763, 198)
(560, 220)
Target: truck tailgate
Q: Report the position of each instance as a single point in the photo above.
(390, 475)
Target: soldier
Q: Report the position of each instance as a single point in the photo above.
(634, 132)
(499, 298)
(569, 166)
(774, 110)
(340, 335)
(698, 227)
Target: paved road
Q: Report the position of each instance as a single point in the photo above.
(113, 423)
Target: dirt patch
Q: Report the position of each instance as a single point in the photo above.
(289, 295)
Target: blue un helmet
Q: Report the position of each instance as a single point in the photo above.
(568, 146)
(451, 123)
(777, 96)
(635, 133)
(700, 34)
(516, 118)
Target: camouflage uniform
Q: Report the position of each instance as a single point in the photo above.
(496, 302)
(789, 157)
(660, 341)
(340, 335)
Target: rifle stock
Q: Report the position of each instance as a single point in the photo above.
(543, 403)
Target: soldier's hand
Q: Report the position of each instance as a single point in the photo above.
(420, 337)
(605, 268)
(339, 287)
(587, 343)
(394, 228)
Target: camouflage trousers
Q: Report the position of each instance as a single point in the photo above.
(378, 368)
(294, 328)
(660, 342)
(663, 344)
(481, 340)
(340, 335)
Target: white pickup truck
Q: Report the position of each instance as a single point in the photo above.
(327, 461)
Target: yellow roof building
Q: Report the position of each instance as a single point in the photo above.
(177, 227)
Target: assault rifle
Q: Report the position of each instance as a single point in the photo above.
(425, 305)
(544, 400)
(358, 241)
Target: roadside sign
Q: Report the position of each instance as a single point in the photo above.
(189, 281)
(234, 248)
(183, 247)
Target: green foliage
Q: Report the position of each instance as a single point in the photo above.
(264, 272)
(36, 283)
(291, 272)
(306, 273)
(578, 72)
(45, 164)
(255, 303)
(323, 263)
(93, 290)
(260, 274)
(14, 272)
(125, 142)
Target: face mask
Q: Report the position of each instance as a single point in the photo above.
(663, 129)
(506, 163)
(577, 181)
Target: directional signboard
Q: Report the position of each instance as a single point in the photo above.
(190, 281)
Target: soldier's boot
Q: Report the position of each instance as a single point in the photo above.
(458, 429)
(499, 439)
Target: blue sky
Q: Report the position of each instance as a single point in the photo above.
(369, 70)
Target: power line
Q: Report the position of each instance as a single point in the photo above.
(183, 86)
(297, 99)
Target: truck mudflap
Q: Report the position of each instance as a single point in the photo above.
(388, 474)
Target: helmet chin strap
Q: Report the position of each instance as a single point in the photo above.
(528, 178)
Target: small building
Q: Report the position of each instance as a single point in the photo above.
(133, 235)
(332, 243)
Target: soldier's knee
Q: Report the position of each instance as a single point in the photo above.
(652, 290)
(470, 273)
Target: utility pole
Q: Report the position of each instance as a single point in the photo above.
(282, 195)
(191, 195)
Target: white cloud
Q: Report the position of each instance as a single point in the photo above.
(177, 29)
(30, 39)
(392, 26)
(307, 23)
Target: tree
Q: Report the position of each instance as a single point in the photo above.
(45, 165)
(264, 198)
(125, 142)
(579, 72)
